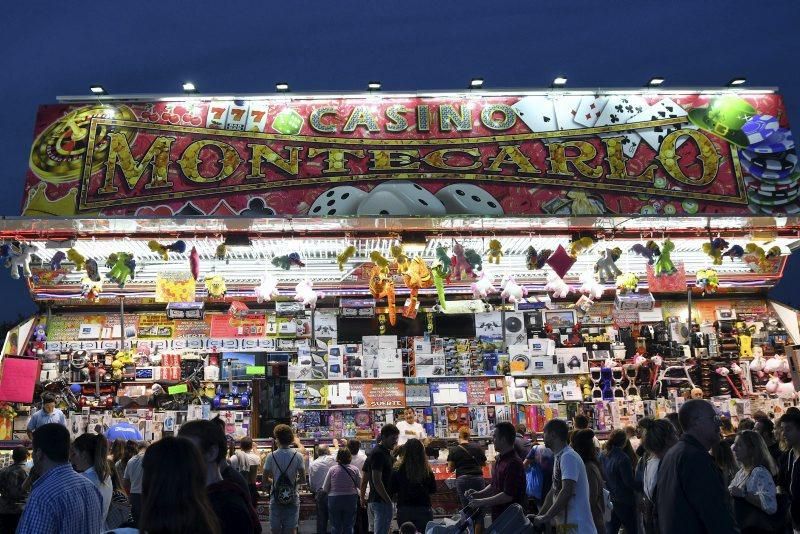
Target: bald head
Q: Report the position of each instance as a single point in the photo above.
(699, 419)
(323, 450)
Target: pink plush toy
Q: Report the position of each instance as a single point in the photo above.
(483, 286)
(725, 372)
(558, 286)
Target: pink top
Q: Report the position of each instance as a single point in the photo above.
(342, 480)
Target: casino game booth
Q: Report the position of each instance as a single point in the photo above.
(327, 261)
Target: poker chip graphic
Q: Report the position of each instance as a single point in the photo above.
(780, 141)
(759, 127)
(777, 162)
(764, 174)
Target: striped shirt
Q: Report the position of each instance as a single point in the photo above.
(342, 480)
(63, 501)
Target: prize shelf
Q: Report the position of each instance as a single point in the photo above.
(442, 377)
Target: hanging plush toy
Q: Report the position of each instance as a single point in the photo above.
(22, 260)
(495, 251)
(439, 276)
(76, 257)
(664, 265)
(121, 267)
(194, 263)
(164, 250)
(773, 252)
(381, 285)
(734, 253)
(287, 261)
(222, 252)
(55, 261)
(715, 248)
(725, 373)
(590, 286)
(343, 257)
(558, 286)
(444, 260)
(459, 263)
(304, 293)
(400, 258)
(474, 259)
(707, 280)
(606, 266)
(649, 250)
(483, 286)
(215, 286)
(267, 289)
(536, 260)
(417, 275)
(92, 270)
(379, 260)
(579, 245)
(786, 390)
(90, 289)
(627, 283)
(737, 370)
(512, 291)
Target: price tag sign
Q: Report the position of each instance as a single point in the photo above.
(180, 388)
(256, 370)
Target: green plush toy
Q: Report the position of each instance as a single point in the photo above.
(444, 261)
(439, 276)
(122, 267)
(474, 259)
(664, 265)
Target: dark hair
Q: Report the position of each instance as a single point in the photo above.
(344, 456)
(174, 498)
(672, 417)
(19, 454)
(246, 444)
(723, 457)
(560, 428)
(506, 431)
(690, 410)
(758, 454)
(767, 426)
(353, 445)
(791, 416)
(408, 528)
(659, 435)
(118, 449)
(208, 433)
(745, 424)
(726, 425)
(48, 397)
(521, 429)
(284, 435)
(415, 462)
(583, 443)
(581, 422)
(388, 431)
(96, 446)
(131, 449)
(53, 440)
(617, 439)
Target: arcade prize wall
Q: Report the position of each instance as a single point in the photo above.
(328, 262)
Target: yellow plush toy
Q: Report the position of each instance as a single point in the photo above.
(215, 285)
(495, 251)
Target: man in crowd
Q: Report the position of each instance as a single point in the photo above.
(132, 482)
(358, 456)
(567, 502)
(788, 475)
(62, 500)
(380, 469)
(581, 422)
(522, 445)
(691, 495)
(246, 463)
(48, 414)
(12, 492)
(230, 503)
(766, 429)
(410, 428)
(284, 463)
(317, 472)
(508, 475)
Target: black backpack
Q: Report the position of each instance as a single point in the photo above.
(284, 489)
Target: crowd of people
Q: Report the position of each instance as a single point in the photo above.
(690, 472)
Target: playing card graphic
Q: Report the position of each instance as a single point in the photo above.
(619, 110)
(589, 109)
(566, 109)
(537, 113)
(663, 109)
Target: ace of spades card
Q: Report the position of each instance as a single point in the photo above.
(619, 110)
(663, 109)
(537, 112)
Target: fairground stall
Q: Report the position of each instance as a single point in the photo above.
(328, 261)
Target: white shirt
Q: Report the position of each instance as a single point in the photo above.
(651, 476)
(105, 488)
(358, 460)
(318, 470)
(758, 482)
(569, 466)
(134, 472)
(414, 430)
(248, 458)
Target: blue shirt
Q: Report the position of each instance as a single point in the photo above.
(63, 501)
(42, 418)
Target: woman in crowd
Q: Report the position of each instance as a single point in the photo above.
(659, 436)
(89, 456)
(117, 450)
(723, 457)
(467, 460)
(753, 484)
(131, 449)
(413, 483)
(620, 482)
(174, 499)
(583, 443)
(342, 485)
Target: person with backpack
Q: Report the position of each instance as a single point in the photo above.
(283, 468)
(341, 485)
(12, 492)
(317, 472)
(247, 462)
(230, 503)
(467, 459)
(538, 473)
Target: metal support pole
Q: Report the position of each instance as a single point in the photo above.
(691, 334)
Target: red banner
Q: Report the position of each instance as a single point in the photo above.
(556, 153)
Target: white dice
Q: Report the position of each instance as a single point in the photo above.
(401, 198)
(342, 200)
(468, 199)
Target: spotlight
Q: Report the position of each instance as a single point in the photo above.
(188, 87)
(374, 86)
(476, 83)
(655, 82)
(559, 81)
(97, 89)
(282, 87)
(736, 81)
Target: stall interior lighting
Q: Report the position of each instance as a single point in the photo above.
(736, 82)
(282, 87)
(559, 81)
(188, 87)
(374, 86)
(655, 82)
(476, 83)
(97, 89)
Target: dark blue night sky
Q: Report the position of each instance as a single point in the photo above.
(230, 47)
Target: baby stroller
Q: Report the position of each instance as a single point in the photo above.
(512, 521)
(457, 524)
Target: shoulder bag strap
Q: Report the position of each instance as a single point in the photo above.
(470, 455)
(346, 470)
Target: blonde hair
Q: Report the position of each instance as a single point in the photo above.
(464, 433)
(757, 452)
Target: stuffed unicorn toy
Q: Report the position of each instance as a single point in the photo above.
(304, 292)
(558, 286)
(22, 260)
(590, 286)
(483, 286)
(267, 289)
(512, 291)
